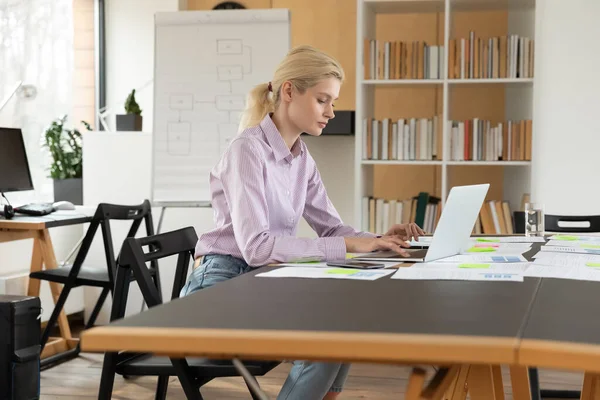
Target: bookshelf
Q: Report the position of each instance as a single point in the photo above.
(451, 84)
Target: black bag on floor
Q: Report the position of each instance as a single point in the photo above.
(20, 332)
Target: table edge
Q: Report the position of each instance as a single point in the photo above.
(559, 354)
(313, 345)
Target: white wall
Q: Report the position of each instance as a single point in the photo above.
(130, 53)
(130, 58)
(566, 135)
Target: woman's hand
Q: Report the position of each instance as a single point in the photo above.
(406, 231)
(367, 244)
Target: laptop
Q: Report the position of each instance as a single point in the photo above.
(453, 232)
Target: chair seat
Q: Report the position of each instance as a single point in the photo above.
(88, 276)
(201, 367)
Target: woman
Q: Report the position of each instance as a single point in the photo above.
(266, 181)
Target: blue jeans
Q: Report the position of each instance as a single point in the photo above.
(307, 380)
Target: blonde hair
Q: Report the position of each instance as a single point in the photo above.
(304, 67)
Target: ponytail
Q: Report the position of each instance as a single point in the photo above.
(304, 67)
(258, 104)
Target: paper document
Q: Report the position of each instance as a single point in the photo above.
(517, 267)
(426, 241)
(484, 258)
(561, 272)
(574, 237)
(586, 244)
(503, 248)
(510, 239)
(456, 274)
(330, 273)
(567, 260)
(570, 249)
(323, 264)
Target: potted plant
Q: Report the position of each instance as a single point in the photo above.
(64, 146)
(132, 120)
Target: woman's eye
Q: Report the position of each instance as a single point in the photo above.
(321, 101)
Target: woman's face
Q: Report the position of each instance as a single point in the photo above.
(311, 111)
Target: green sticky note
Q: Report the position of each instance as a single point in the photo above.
(481, 250)
(488, 240)
(591, 246)
(309, 262)
(474, 265)
(593, 264)
(565, 237)
(341, 271)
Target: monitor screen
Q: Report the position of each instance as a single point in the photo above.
(14, 169)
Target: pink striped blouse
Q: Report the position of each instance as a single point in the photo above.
(260, 190)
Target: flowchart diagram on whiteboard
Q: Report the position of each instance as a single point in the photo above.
(205, 64)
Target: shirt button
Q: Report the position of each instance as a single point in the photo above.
(288, 192)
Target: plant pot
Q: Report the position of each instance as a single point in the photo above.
(69, 190)
(129, 122)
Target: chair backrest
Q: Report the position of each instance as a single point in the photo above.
(570, 223)
(105, 212)
(134, 256)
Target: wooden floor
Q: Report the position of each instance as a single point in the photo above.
(79, 379)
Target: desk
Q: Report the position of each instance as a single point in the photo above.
(382, 321)
(36, 228)
(563, 330)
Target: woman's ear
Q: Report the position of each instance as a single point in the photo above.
(286, 91)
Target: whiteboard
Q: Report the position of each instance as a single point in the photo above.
(205, 63)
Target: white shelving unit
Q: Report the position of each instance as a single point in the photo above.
(518, 99)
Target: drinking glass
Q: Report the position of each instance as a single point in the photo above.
(534, 219)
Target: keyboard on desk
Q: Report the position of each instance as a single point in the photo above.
(36, 209)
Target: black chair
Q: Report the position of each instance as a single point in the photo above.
(192, 372)
(562, 224)
(75, 275)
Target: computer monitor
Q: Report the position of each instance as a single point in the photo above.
(14, 168)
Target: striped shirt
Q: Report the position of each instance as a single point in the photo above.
(260, 189)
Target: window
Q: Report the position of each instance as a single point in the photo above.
(36, 47)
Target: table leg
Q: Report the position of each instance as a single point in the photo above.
(33, 285)
(460, 387)
(65, 342)
(591, 386)
(481, 383)
(519, 378)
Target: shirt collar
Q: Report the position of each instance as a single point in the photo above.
(275, 140)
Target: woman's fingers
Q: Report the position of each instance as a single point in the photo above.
(395, 244)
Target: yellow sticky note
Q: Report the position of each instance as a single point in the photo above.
(590, 246)
(485, 240)
(474, 265)
(348, 256)
(593, 264)
(342, 271)
(481, 250)
(565, 237)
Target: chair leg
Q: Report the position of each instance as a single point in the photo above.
(107, 379)
(534, 384)
(64, 293)
(186, 378)
(161, 387)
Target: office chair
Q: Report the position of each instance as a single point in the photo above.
(562, 224)
(75, 275)
(193, 373)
